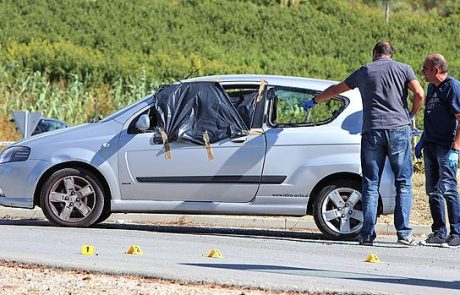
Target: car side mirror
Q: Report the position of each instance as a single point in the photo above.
(143, 123)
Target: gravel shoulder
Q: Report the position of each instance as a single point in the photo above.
(20, 278)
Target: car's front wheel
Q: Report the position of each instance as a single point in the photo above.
(338, 209)
(72, 197)
(104, 216)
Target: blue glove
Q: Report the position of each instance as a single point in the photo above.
(418, 148)
(309, 104)
(452, 157)
(411, 116)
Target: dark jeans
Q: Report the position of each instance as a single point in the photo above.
(376, 145)
(441, 188)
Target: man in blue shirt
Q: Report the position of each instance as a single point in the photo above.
(384, 85)
(441, 145)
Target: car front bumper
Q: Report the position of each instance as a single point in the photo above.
(18, 181)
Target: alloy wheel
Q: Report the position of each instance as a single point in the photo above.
(72, 198)
(342, 210)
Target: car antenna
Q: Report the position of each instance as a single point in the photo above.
(218, 55)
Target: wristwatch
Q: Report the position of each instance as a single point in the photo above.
(314, 100)
(455, 150)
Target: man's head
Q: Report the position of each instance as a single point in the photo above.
(382, 49)
(435, 68)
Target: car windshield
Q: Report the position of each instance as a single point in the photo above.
(45, 125)
(128, 108)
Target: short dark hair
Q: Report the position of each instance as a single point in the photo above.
(384, 48)
(437, 60)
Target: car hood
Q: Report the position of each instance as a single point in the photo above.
(89, 132)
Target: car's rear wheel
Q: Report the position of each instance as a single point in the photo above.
(72, 197)
(338, 209)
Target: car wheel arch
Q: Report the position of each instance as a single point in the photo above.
(74, 164)
(330, 179)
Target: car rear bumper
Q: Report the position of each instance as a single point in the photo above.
(388, 205)
(387, 189)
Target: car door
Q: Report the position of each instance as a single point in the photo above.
(233, 175)
(305, 141)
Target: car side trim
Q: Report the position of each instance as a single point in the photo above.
(269, 179)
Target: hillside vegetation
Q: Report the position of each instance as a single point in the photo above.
(61, 56)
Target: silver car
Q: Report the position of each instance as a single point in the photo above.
(291, 163)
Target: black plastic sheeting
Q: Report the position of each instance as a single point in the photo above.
(245, 104)
(186, 110)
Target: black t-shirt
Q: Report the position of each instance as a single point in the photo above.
(441, 105)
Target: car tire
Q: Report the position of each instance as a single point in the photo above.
(338, 209)
(104, 215)
(72, 197)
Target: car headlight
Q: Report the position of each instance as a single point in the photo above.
(15, 154)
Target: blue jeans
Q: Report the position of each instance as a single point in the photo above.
(376, 145)
(441, 188)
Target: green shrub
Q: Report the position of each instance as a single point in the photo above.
(61, 56)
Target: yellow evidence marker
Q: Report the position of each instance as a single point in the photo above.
(135, 250)
(215, 253)
(373, 258)
(87, 250)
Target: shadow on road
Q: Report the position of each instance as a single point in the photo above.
(455, 285)
(186, 229)
(298, 236)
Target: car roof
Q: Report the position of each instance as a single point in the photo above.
(316, 84)
(288, 81)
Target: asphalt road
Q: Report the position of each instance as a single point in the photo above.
(274, 260)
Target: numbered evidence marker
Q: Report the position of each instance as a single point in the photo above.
(135, 250)
(373, 258)
(87, 250)
(215, 253)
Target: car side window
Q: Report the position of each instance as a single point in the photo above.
(287, 108)
(243, 99)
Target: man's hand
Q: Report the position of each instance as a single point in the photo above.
(308, 105)
(418, 148)
(452, 157)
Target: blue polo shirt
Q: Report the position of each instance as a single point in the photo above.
(441, 105)
(383, 87)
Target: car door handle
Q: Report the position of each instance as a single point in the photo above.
(240, 140)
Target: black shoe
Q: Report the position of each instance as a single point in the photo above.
(366, 243)
(453, 241)
(434, 239)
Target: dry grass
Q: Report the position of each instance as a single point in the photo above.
(420, 209)
(8, 132)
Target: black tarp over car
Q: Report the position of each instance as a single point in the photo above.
(185, 111)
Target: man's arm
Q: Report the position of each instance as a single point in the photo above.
(419, 96)
(456, 143)
(332, 91)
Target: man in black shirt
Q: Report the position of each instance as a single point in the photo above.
(441, 145)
